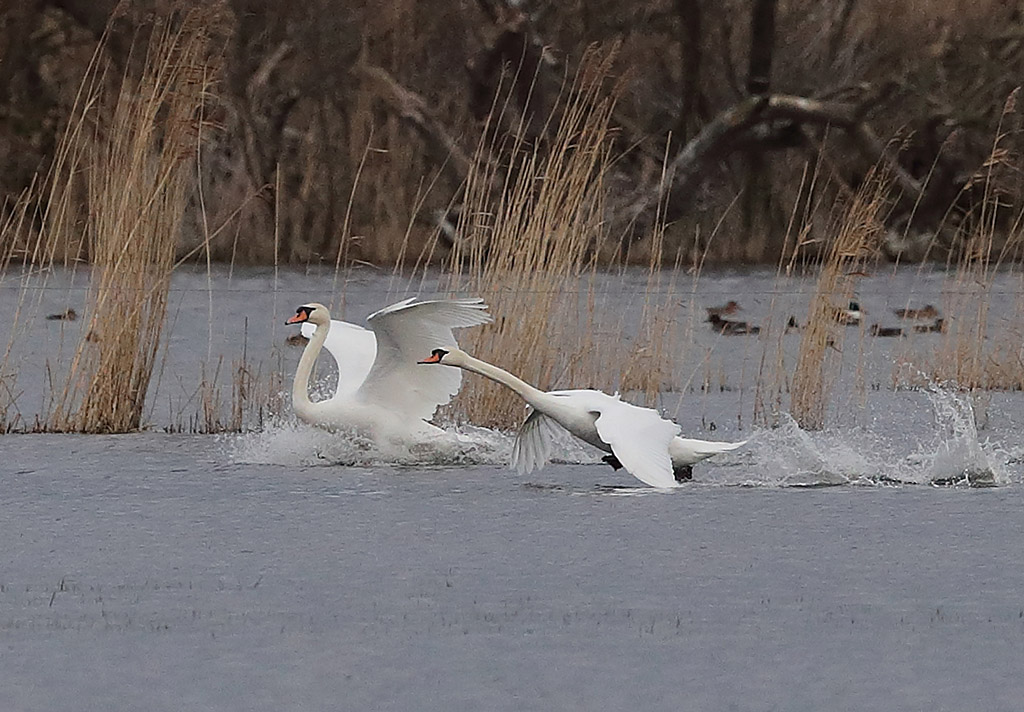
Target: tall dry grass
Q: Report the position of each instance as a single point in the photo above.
(42, 230)
(773, 378)
(971, 355)
(139, 175)
(530, 250)
(131, 151)
(856, 241)
(256, 393)
(12, 228)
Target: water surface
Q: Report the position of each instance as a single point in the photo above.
(293, 569)
(151, 571)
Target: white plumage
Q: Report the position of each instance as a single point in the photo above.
(381, 389)
(647, 445)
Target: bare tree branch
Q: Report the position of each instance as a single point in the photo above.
(728, 131)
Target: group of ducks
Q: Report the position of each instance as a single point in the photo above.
(393, 376)
(927, 318)
(927, 321)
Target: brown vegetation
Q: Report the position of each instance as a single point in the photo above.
(355, 123)
(117, 193)
(972, 355)
(856, 243)
(567, 175)
(531, 251)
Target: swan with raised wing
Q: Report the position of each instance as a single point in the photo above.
(638, 439)
(381, 390)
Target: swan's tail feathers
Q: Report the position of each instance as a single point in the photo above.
(532, 448)
(687, 451)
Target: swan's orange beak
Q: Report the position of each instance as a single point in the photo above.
(432, 358)
(300, 316)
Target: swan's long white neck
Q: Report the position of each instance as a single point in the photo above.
(300, 386)
(533, 396)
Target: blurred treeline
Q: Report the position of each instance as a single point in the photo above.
(348, 127)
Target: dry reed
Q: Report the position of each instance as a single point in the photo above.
(772, 377)
(255, 395)
(129, 155)
(138, 176)
(969, 355)
(965, 356)
(647, 367)
(530, 250)
(856, 241)
(40, 230)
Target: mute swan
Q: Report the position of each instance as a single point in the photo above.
(647, 445)
(381, 390)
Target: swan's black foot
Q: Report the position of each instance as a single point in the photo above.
(613, 461)
(683, 473)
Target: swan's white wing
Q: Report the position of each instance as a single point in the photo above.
(532, 448)
(353, 348)
(687, 451)
(406, 333)
(639, 438)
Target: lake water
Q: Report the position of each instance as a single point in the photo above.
(292, 569)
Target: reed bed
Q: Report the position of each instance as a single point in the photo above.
(530, 248)
(40, 232)
(973, 354)
(531, 252)
(139, 177)
(855, 243)
(255, 394)
(130, 149)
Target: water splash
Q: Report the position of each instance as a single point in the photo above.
(788, 456)
(948, 451)
(945, 450)
(288, 442)
(956, 455)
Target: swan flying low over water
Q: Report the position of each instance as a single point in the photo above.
(381, 390)
(639, 439)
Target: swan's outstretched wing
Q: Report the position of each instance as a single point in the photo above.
(353, 348)
(687, 451)
(532, 448)
(405, 331)
(639, 438)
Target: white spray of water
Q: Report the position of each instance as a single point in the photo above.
(955, 453)
(788, 456)
(948, 452)
(288, 442)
